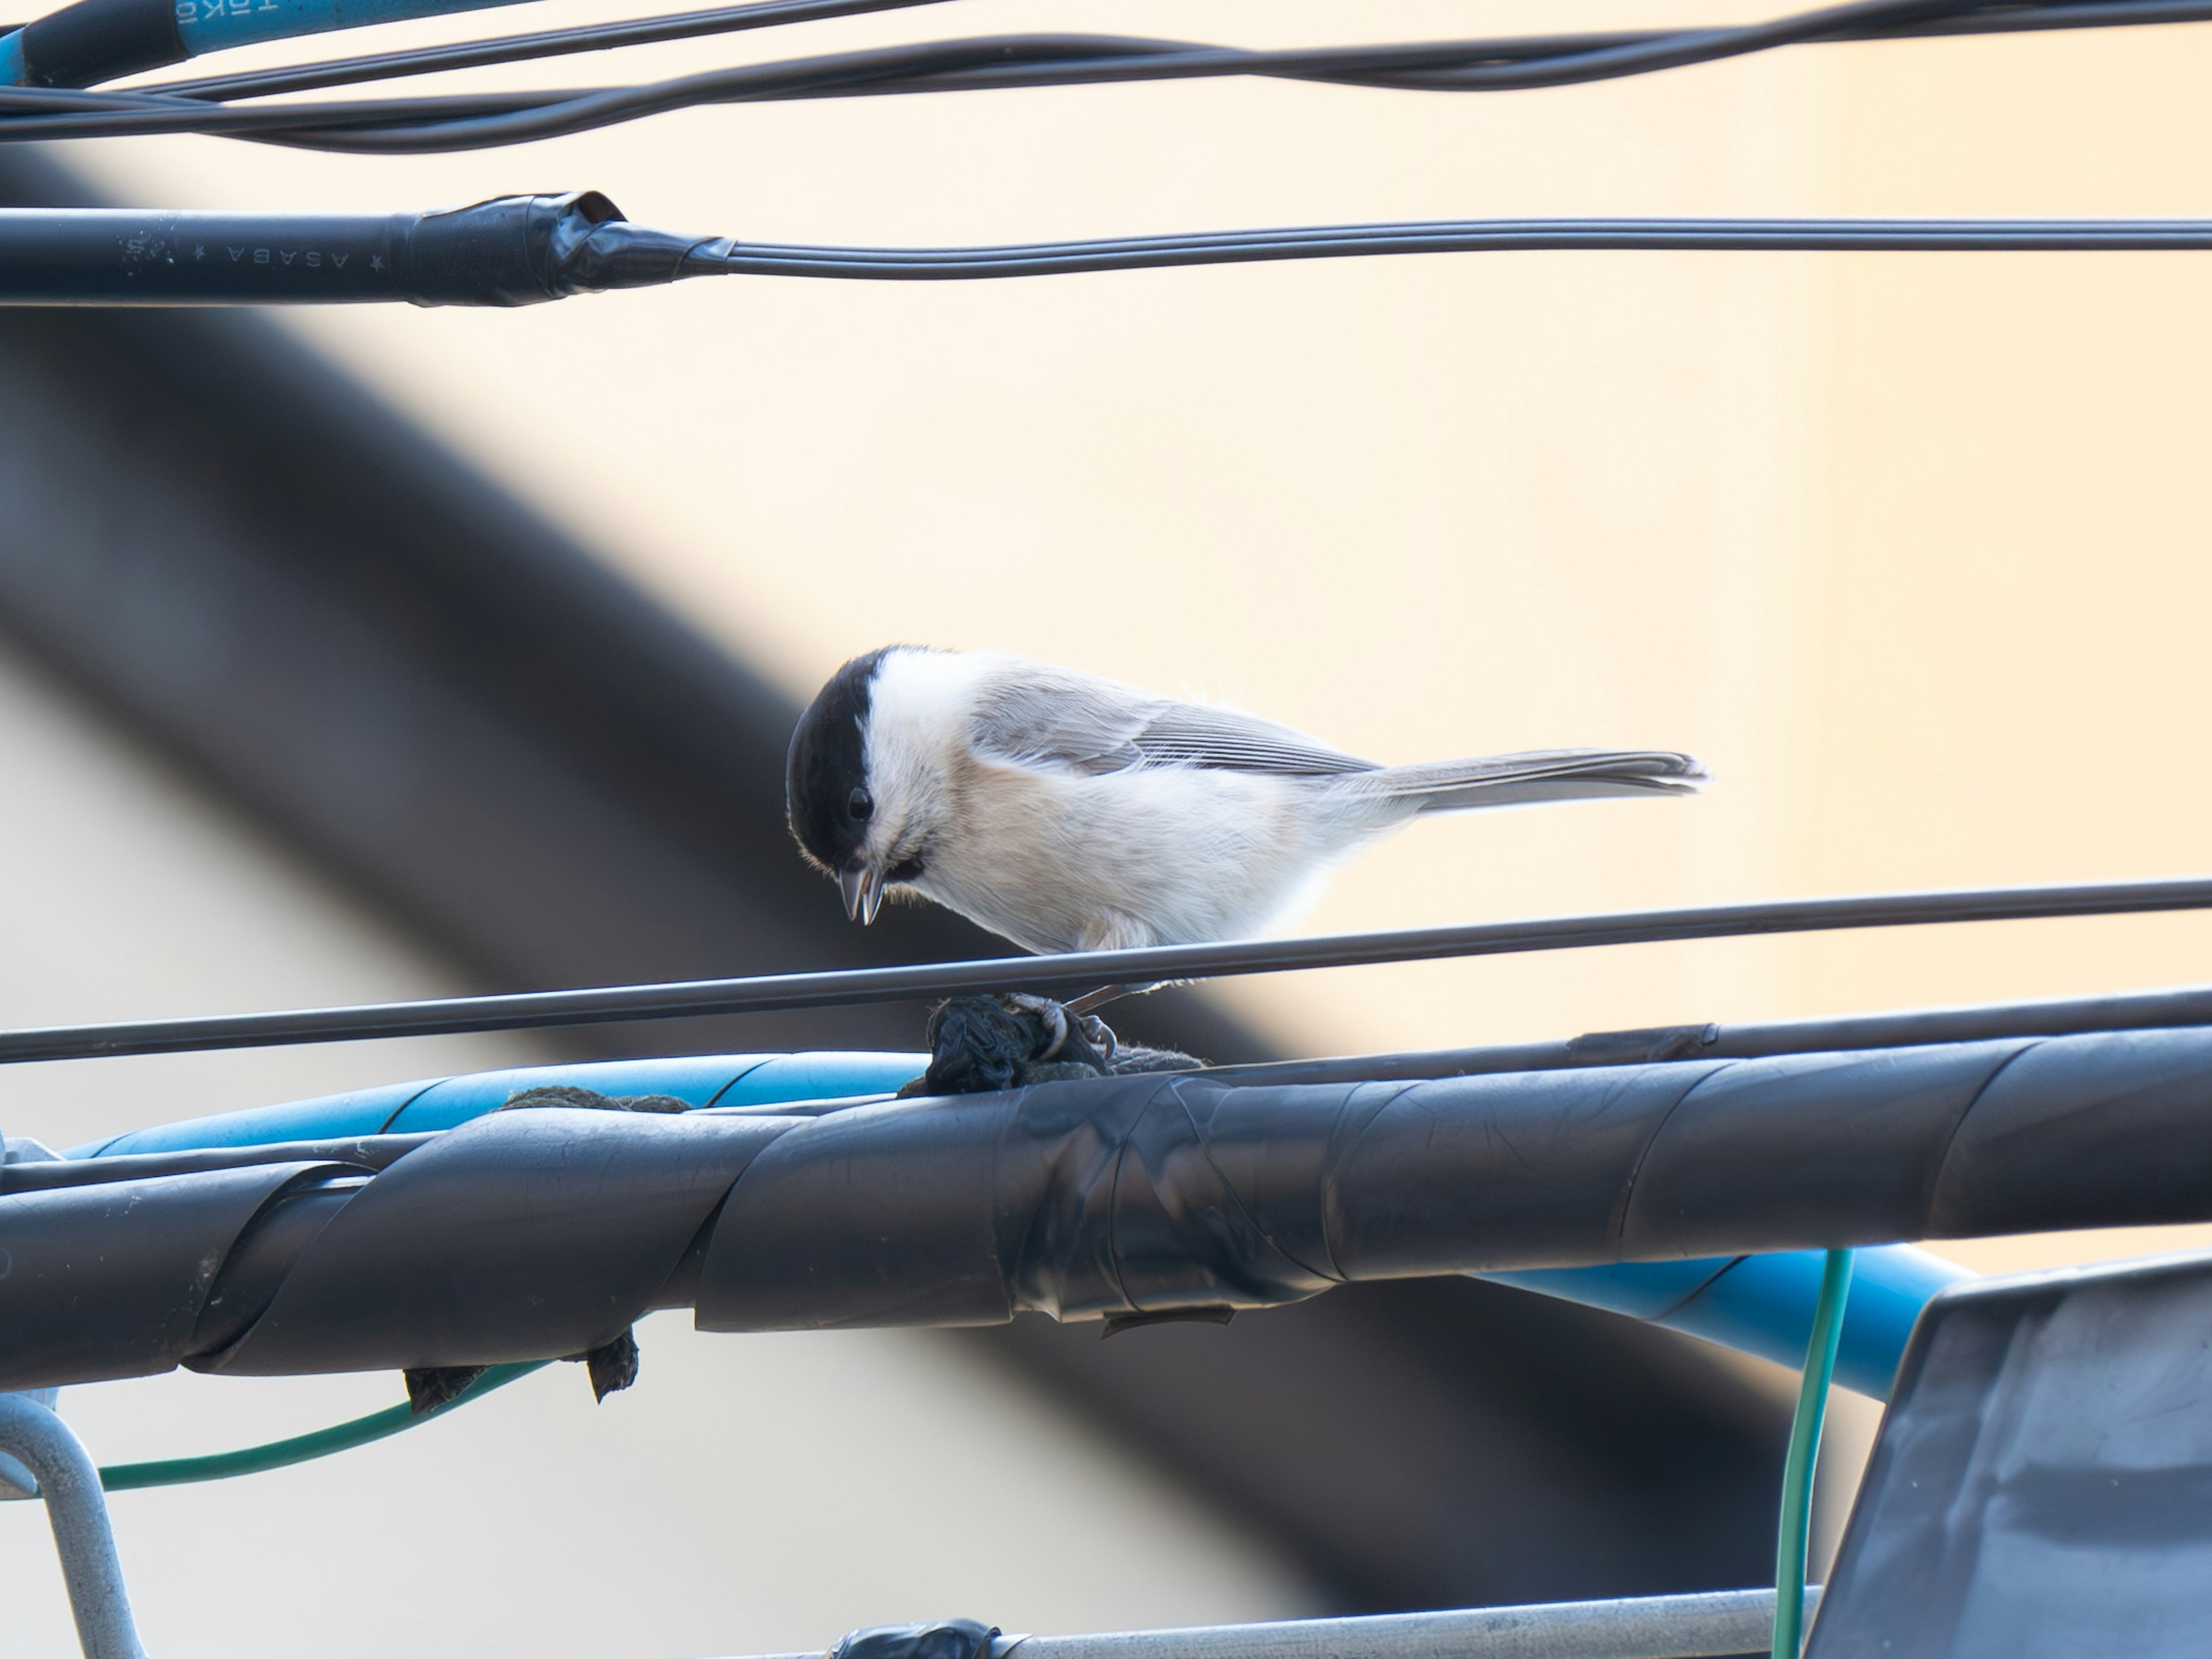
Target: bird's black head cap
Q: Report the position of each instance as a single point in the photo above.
(825, 784)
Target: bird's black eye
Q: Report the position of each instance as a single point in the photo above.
(860, 807)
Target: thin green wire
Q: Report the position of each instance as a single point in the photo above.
(301, 1448)
(1790, 1547)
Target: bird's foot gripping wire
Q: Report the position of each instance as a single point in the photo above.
(982, 1043)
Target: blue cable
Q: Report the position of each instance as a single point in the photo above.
(401, 1109)
(1764, 1305)
(96, 41)
(208, 26)
(205, 25)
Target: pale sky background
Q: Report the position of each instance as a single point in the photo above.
(1911, 550)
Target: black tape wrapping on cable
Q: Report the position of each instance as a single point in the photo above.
(537, 1234)
(942, 1639)
(510, 251)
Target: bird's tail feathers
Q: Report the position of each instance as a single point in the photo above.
(1543, 775)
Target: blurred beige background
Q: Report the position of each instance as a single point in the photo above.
(1911, 549)
(1905, 546)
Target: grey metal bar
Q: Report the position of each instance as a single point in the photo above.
(1653, 1627)
(1707, 1626)
(77, 1510)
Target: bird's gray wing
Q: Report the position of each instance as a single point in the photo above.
(1093, 726)
(1226, 740)
(1041, 716)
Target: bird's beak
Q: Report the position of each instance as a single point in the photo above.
(864, 892)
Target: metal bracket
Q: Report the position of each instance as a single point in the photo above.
(78, 1508)
(17, 1482)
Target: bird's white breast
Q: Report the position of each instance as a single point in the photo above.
(1059, 859)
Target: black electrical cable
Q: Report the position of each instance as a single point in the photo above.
(682, 26)
(524, 48)
(525, 250)
(477, 120)
(1467, 236)
(1085, 970)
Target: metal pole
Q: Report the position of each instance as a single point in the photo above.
(77, 1509)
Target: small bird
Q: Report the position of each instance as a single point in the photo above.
(1070, 813)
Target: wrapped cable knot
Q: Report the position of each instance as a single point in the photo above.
(612, 1366)
(981, 1044)
(522, 250)
(590, 1100)
(944, 1638)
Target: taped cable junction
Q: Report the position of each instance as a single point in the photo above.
(511, 251)
(524, 1235)
(44, 105)
(1085, 970)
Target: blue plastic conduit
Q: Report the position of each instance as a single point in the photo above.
(1763, 1304)
(213, 25)
(403, 1108)
(205, 25)
(1758, 1304)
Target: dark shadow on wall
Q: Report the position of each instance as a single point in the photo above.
(1447, 1443)
(439, 699)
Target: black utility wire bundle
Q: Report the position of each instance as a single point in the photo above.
(525, 1235)
(522, 249)
(477, 120)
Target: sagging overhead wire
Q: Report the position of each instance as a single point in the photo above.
(1086, 970)
(1469, 236)
(1496, 64)
(467, 121)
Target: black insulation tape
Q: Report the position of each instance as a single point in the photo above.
(544, 1234)
(511, 251)
(945, 1638)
